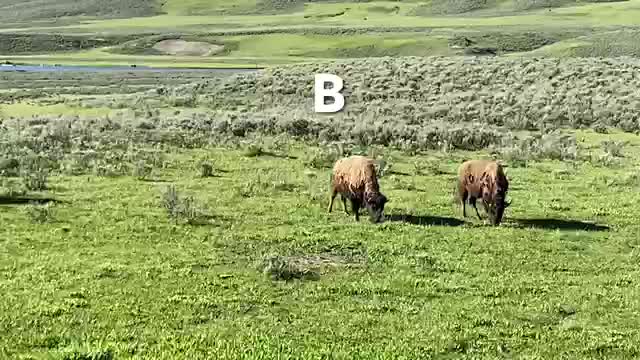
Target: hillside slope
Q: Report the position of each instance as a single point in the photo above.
(267, 32)
(18, 11)
(410, 7)
(26, 10)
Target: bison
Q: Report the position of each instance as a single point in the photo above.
(484, 179)
(355, 178)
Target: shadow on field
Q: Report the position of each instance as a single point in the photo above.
(399, 173)
(14, 200)
(426, 220)
(155, 180)
(209, 220)
(275, 155)
(553, 224)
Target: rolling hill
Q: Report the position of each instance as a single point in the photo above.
(19, 11)
(30, 10)
(264, 32)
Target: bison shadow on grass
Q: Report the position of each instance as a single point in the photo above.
(558, 224)
(425, 220)
(14, 200)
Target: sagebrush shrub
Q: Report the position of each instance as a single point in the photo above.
(413, 104)
(171, 201)
(35, 179)
(254, 150)
(206, 169)
(181, 207)
(13, 188)
(321, 158)
(613, 148)
(142, 170)
(40, 213)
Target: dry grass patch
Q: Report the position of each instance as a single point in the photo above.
(307, 267)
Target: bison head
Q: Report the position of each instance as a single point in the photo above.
(494, 192)
(497, 210)
(375, 204)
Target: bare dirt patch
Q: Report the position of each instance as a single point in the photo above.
(187, 48)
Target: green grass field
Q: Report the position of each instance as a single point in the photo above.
(108, 272)
(184, 215)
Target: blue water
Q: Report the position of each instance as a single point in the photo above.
(49, 68)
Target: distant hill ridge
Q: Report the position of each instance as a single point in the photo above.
(16, 11)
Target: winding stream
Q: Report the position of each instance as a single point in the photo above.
(60, 68)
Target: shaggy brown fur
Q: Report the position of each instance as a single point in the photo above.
(355, 178)
(483, 179)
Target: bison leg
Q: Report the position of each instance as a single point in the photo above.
(463, 194)
(333, 196)
(473, 203)
(486, 206)
(344, 204)
(355, 206)
(463, 200)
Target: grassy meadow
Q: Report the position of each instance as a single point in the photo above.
(156, 216)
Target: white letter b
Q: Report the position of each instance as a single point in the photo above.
(321, 93)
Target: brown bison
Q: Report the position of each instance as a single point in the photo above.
(355, 178)
(485, 180)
